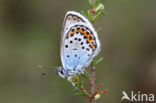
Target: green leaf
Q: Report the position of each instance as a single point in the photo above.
(86, 76)
(77, 87)
(82, 82)
(97, 3)
(98, 61)
(104, 13)
(74, 80)
(90, 2)
(80, 94)
(97, 16)
(90, 16)
(99, 30)
(83, 13)
(77, 90)
(93, 62)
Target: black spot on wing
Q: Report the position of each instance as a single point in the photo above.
(75, 55)
(66, 46)
(71, 41)
(79, 39)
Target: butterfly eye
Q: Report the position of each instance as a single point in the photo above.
(62, 72)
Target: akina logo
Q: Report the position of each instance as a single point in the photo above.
(137, 96)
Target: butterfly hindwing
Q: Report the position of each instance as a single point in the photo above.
(80, 43)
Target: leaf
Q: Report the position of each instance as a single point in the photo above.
(98, 61)
(97, 15)
(77, 90)
(97, 3)
(86, 76)
(90, 16)
(90, 2)
(83, 13)
(77, 87)
(104, 13)
(80, 94)
(99, 30)
(82, 82)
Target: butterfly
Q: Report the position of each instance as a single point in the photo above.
(79, 44)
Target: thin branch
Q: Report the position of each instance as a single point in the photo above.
(92, 81)
(93, 2)
(92, 85)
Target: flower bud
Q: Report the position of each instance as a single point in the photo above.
(100, 7)
(97, 96)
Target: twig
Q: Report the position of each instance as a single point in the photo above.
(93, 2)
(92, 85)
(92, 81)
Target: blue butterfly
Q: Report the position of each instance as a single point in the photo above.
(79, 44)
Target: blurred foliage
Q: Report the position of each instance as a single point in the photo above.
(30, 35)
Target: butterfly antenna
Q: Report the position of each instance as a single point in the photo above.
(51, 68)
(48, 67)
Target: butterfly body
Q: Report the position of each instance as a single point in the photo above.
(79, 44)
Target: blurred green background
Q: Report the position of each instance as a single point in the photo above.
(30, 33)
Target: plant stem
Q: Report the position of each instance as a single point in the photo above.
(92, 81)
(93, 2)
(92, 85)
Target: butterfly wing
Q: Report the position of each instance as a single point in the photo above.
(80, 43)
